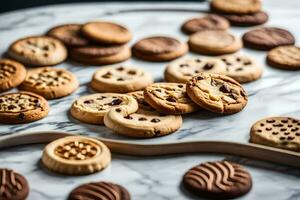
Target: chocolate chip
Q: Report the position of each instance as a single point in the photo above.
(239, 69)
(88, 101)
(128, 117)
(275, 133)
(118, 110)
(120, 79)
(171, 99)
(155, 120)
(1, 100)
(142, 119)
(283, 129)
(270, 120)
(282, 138)
(268, 128)
(278, 125)
(107, 75)
(183, 65)
(196, 71)
(131, 72)
(21, 116)
(158, 90)
(120, 68)
(224, 88)
(294, 129)
(247, 63)
(199, 78)
(115, 102)
(208, 66)
(224, 59)
(180, 86)
(10, 107)
(284, 121)
(238, 59)
(198, 60)
(262, 124)
(286, 133)
(298, 134)
(259, 130)
(295, 121)
(290, 125)
(157, 132)
(291, 138)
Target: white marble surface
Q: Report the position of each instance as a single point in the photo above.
(277, 93)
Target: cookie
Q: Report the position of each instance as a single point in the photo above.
(218, 180)
(76, 155)
(100, 191)
(182, 70)
(139, 97)
(50, 82)
(253, 19)
(217, 93)
(38, 51)
(242, 68)
(267, 38)
(69, 34)
(120, 79)
(159, 48)
(22, 107)
(13, 186)
(12, 74)
(169, 98)
(214, 42)
(92, 108)
(236, 6)
(106, 32)
(142, 124)
(279, 132)
(100, 55)
(284, 57)
(207, 22)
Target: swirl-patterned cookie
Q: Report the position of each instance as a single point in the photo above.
(12, 74)
(92, 108)
(217, 93)
(120, 79)
(279, 132)
(22, 107)
(76, 155)
(13, 186)
(100, 191)
(50, 82)
(218, 180)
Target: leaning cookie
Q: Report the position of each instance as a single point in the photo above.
(22, 107)
(120, 79)
(92, 108)
(235, 6)
(38, 51)
(159, 49)
(50, 82)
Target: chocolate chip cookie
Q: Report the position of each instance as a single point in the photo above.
(139, 97)
(253, 19)
(236, 6)
(284, 57)
(22, 107)
(217, 93)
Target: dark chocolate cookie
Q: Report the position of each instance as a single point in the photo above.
(267, 38)
(248, 19)
(13, 186)
(218, 180)
(100, 191)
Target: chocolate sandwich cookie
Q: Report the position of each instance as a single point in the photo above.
(267, 38)
(218, 180)
(253, 19)
(235, 6)
(13, 186)
(100, 191)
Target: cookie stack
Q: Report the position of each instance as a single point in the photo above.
(94, 43)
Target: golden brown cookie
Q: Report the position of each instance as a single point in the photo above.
(252, 19)
(50, 82)
(284, 57)
(217, 93)
(92, 108)
(120, 79)
(159, 48)
(38, 51)
(182, 70)
(106, 32)
(279, 132)
(214, 42)
(236, 6)
(169, 98)
(12, 74)
(76, 155)
(207, 22)
(22, 107)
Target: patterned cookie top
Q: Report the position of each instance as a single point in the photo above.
(7, 69)
(287, 57)
(218, 179)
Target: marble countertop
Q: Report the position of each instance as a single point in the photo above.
(277, 93)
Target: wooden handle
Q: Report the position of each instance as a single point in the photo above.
(254, 151)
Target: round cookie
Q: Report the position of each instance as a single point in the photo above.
(120, 79)
(267, 38)
(69, 34)
(100, 55)
(13, 186)
(279, 132)
(100, 191)
(218, 180)
(92, 108)
(76, 155)
(142, 124)
(242, 68)
(217, 93)
(159, 48)
(169, 98)
(284, 57)
(12, 74)
(182, 70)
(139, 97)
(106, 32)
(253, 19)
(235, 6)
(50, 82)
(22, 107)
(214, 42)
(38, 50)
(207, 22)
